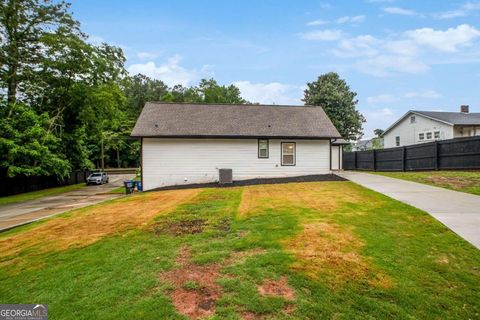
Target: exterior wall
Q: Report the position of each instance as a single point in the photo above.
(466, 131)
(184, 161)
(336, 157)
(408, 132)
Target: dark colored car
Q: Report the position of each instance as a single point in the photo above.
(97, 178)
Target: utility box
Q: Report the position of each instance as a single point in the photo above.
(225, 176)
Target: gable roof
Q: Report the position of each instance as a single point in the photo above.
(229, 121)
(450, 118)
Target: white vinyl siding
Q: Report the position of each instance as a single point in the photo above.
(410, 133)
(184, 161)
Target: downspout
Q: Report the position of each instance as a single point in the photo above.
(330, 154)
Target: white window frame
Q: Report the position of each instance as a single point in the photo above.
(421, 136)
(267, 149)
(412, 119)
(397, 141)
(429, 133)
(435, 133)
(294, 154)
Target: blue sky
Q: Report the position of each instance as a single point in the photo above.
(397, 55)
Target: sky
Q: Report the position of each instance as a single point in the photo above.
(397, 55)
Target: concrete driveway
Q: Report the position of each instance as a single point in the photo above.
(457, 210)
(21, 213)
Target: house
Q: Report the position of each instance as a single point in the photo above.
(374, 143)
(426, 126)
(184, 143)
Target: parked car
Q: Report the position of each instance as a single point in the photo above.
(97, 178)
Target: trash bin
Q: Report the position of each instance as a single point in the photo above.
(139, 186)
(129, 186)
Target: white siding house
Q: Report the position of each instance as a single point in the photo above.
(426, 126)
(185, 144)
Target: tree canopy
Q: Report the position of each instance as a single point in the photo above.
(339, 102)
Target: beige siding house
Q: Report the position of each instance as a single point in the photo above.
(189, 143)
(426, 126)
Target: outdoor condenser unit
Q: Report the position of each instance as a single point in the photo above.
(225, 176)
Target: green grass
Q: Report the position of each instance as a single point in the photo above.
(464, 181)
(433, 274)
(39, 194)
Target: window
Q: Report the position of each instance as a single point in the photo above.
(397, 141)
(429, 135)
(262, 148)
(436, 134)
(288, 153)
(421, 136)
(412, 119)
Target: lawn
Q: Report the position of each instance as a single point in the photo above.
(316, 250)
(465, 181)
(39, 194)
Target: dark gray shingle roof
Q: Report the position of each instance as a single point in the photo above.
(226, 120)
(455, 118)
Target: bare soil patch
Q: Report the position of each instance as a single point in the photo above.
(198, 301)
(327, 249)
(322, 196)
(277, 288)
(180, 228)
(87, 225)
(453, 182)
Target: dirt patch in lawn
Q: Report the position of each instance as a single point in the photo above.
(86, 226)
(199, 300)
(452, 182)
(180, 228)
(332, 252)
(277, 288)
(194, 287)
(322, 196)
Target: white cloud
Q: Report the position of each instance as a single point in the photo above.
(96, 40)
(462, 11)
(323, 35)
(400, 11)
(382, 99)
(318, 22)
(402, 47)
(348, 19)
(269, 93)
(364, 45)
(448, 40)
(170, 72)
(146, 55)
(385, 64)
(427, 94)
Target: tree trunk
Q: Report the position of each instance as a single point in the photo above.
(12, 85)
(118, 158)
(102, 159)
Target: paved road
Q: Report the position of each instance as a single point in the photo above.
(24, 212)
(457, 210)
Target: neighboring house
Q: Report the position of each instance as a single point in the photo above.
(426, 126)
(189, 143)
(374, 143)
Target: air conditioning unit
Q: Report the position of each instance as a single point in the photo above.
(225, 176)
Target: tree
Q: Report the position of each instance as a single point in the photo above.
(378, 132)
(334, 95)
(25, 25)
(28, 145)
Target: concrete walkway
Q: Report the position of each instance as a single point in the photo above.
(457, 210)
(17, 214)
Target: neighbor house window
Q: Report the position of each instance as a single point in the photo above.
(429, 135)
(288, 153)
(436, 134)
(412, 119)
(397, 141)
(421, 136)
(262, 148)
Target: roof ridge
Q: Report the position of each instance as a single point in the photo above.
(233, 104)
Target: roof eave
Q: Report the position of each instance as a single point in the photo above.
(235, 137)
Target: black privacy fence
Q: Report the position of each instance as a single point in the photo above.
(460, 153)
(21, 184)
